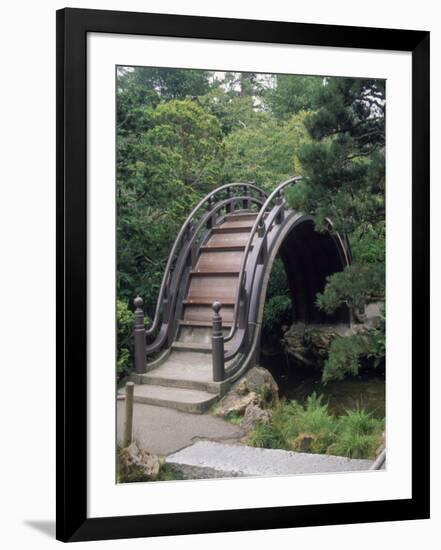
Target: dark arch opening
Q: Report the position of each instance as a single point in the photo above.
(309, 257)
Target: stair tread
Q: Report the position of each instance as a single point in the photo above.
(241, 215)
(203, 301)
(222, 247)
(172, 394)
(230, 230)
(226, 260)
(239, 225)
(191, 346)
(200, 323)
(185, 366)
(213, 272)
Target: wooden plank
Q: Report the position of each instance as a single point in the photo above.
(229, 260)
(237, 224)
(220, 273)
(222, 248)
(229, 239)
(207, 323)
(204, 313)
(214, 288)
(207, 301)
(241, 216)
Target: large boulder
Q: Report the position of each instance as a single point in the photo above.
(236, 403)
(136, 464)
(255, 415)
(260, 381)
(256, 388)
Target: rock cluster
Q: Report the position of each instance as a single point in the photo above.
(136, 464)
(309, 344)
(250, 397)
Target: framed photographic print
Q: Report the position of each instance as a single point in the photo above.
(242, 274)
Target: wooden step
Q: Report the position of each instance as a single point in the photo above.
(204, 312)
(213, 287)
(229, 239)
(237, 224)
(195, 323)
(204, 273)
(222, 248)
(221, 230)
(229, 260)
(241, 216)
(206, 302)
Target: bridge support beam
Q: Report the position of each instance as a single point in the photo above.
(217, 345)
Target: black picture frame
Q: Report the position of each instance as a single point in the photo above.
(73, 25)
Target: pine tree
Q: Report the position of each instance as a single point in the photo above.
(344, 180)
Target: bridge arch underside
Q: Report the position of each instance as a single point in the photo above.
(309, 257)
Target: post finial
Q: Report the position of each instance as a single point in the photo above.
(138, 301)
(216, 307)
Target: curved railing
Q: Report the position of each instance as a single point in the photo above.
(259, 224)
(187, 228)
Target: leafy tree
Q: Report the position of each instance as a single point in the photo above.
(162, 171)
(168, 84)
(232, 110)
(344, 169)
(293, 94)
(266, 151)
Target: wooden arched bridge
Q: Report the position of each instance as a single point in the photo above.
(207, 325)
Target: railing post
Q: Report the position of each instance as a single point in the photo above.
(228, 206)
(245, 202)
(139, 334)
(263, 248)
(279, 202)
(209, 207)
(128, 421)
(190, 229)
(217, 343)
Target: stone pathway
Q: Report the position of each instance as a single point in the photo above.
(162, 431)
(208, 459)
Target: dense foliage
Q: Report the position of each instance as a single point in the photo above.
(344, 180)
(312, 428)
(180, 133)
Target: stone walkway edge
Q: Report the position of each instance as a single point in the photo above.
(208, 459)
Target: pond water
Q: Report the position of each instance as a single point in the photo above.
(366, 391)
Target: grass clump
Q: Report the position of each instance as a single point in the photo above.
(359, 435)
(312, 428)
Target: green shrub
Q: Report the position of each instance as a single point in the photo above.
(359, 435)
(266, 436)
(312, 428)
(346, 353)
(124, 340)
(278, 305)
(124, 326)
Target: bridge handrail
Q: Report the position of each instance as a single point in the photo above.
(275, 194)
(178, 242)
